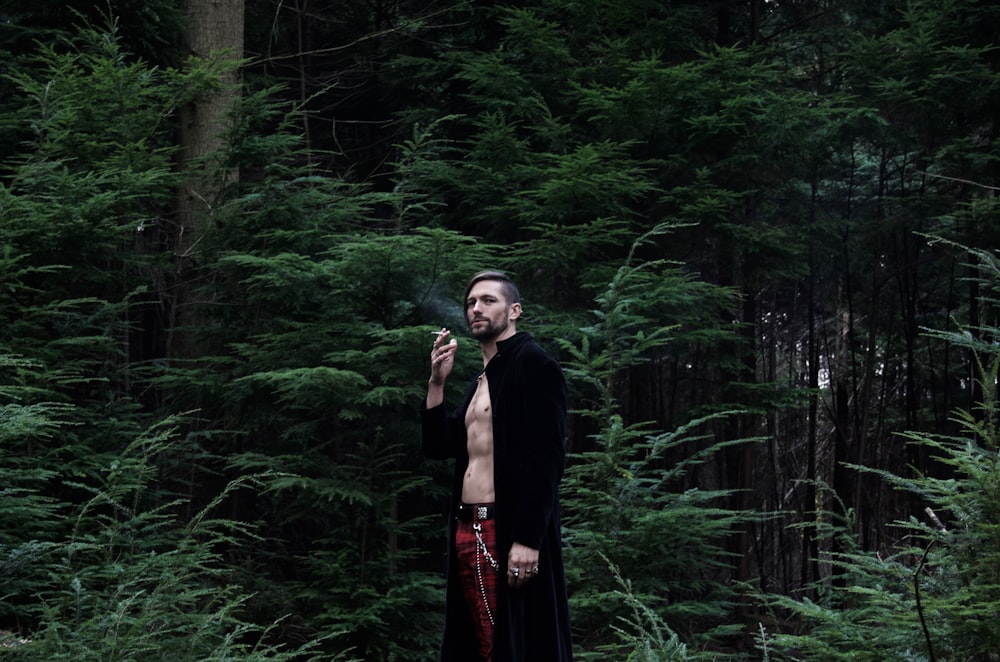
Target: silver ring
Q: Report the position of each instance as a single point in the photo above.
(534, 570)
(514, 571)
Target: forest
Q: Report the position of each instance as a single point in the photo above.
(760, 236)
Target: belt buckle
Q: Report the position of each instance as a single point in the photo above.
(482, 512)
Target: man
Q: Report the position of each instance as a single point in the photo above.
(506, 591)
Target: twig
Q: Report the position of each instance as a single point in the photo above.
(959, 180)
(916, 587)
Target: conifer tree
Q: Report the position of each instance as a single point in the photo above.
(101, 558)
(936, 595)
(631, 521)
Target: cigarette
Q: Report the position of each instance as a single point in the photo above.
(437, 333)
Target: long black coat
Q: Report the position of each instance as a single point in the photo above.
(528, 396)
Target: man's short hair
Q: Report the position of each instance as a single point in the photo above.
(507, 286)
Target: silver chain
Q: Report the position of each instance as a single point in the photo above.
(481, 547)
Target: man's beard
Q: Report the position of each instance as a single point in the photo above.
(489, 332)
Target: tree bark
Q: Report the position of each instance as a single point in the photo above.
(214, 31)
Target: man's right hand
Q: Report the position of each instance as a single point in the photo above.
(442, 357)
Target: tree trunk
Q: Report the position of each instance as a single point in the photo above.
(813, 512)
(214, 31)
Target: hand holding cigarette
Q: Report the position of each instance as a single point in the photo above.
(442, 356)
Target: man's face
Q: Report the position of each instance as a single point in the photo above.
(487, 312)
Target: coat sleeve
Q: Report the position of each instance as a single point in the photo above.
(544, 451)
(440, 435)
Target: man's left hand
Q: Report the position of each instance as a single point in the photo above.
(522, 565)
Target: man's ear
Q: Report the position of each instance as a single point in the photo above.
(515, 311)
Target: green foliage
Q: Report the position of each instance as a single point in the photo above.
(937, 594)
(98, 563)
(644, 310)
(626, 507)
(646, 637)
(623, 503)
(102, 558)
(319, 364)
(83, 204)
(27, 422)
(90, 108)
(785, 150)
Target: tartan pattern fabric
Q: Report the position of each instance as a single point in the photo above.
(478, 577)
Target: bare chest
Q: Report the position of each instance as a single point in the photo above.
(480, 407)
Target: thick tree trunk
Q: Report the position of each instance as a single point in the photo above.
(214, 31)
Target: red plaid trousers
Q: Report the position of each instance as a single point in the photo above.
(476, 546)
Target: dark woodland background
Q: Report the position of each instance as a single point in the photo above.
(759, 235)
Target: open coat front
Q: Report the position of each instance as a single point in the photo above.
(528, 394)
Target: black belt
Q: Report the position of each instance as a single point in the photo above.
(473, 512)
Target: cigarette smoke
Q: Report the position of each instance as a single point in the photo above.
(443, 311)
